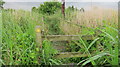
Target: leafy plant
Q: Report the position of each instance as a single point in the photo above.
(49, 7)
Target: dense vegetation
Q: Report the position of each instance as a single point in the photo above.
(19, 36)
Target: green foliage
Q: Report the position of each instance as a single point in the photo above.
(71, 8)
(51, 20)
(19, 46)
(34, 9)
(52, 23)
(108, 39)
(48, 52)
(18, 39)
(1, 3)
(49, 7)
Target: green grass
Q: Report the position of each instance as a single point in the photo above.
(1, 61)
(109, 40)
(19, 39)
(47, 53)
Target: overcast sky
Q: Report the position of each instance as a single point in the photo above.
(28, 4)
(65, 0)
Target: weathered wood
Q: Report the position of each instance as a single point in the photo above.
(66, 37)
(69, 54)
(38, 41)
(63, 8)
(38, 36)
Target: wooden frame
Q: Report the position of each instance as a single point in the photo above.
(40, 38)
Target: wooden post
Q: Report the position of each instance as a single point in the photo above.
(43, 26)
(38, 42)
(63, 8)
(38, 37)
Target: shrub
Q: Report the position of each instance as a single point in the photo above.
(49, 7)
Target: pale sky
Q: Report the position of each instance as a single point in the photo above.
(28, 4)
(60, 0)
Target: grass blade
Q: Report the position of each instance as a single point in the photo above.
(95, 57)
(54, 61)
(92, 43)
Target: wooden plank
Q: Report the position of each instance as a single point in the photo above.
(66, 37)
(69, 55)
